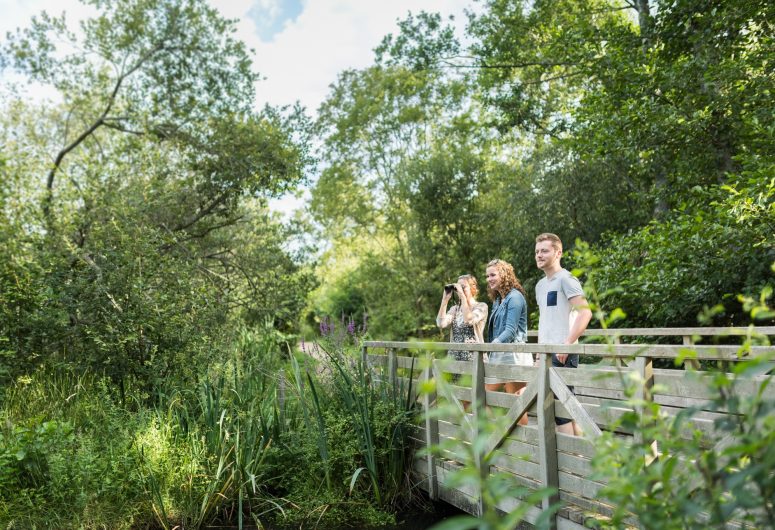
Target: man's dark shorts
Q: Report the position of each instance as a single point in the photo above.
(571, 362)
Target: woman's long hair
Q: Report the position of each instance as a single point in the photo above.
(509, 280)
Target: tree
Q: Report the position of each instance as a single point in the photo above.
(150, 209)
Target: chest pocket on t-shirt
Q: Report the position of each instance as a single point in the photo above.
(551, 298)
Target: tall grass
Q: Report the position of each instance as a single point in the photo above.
(382, 412)
(257, 438)
(221, 436)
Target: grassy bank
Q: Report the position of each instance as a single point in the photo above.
(257, 439)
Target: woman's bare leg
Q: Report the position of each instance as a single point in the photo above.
(517, 388)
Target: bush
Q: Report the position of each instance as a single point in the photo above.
(699, 481)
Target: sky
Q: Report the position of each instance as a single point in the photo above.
(300, 45)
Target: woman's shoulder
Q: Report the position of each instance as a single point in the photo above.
(480, 305)
(515, 293)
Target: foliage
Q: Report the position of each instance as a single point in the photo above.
(694, 258)
(350, 442)
(636, 126)
(67, 457)
(698, 479)
(241, 447)
(149, 240)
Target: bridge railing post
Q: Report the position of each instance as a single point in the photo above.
(644, 397)
(547, 435)
(431, 428)
(392, 367)
(690, 363)
(479, 408)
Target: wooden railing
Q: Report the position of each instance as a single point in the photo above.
(536, 455)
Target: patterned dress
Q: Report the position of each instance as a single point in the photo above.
(461, 332)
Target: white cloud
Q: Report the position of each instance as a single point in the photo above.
(327, 37)
(305, 57)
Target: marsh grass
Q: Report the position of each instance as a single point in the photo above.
(258, 440)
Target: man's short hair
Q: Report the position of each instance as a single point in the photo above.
(548, 236)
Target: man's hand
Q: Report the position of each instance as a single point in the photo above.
(562, 357)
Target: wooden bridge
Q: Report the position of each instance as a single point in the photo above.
(536, 455)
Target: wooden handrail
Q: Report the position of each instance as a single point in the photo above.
(655, 351)
(674, 332)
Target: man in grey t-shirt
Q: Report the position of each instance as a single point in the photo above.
(563, 311)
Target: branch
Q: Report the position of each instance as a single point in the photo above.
(202, 213)
(93, 127)
(116, 125)
(546, 64)
(229, 222)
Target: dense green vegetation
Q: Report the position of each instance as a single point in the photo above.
(641, 129)
(151, 304)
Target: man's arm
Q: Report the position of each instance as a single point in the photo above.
(583, 316)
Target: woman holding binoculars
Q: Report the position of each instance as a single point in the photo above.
(466, 318)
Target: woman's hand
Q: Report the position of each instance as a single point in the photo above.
(460, 291)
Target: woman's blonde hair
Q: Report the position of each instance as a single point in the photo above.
(471, 283)
(509, 280)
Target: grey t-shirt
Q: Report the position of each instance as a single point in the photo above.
(555, 318)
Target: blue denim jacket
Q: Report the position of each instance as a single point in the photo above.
(508, 319)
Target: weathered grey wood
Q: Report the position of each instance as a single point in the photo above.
(668, 382)
(519, 448)
(446, 391)
(643, 394)
(431, 432)
(376, 360)
(592, 506)
(456, 367)
(510, 372)
(547, 443)
(392, 367)
(527, 466)
(565, 442)
(667, 402)
(478, 406)
(672, 332)
(600, 398)
(617, 361)
(567, 524)
(569, 401)
(669, 410)
(579, 485)
(508, 505)
(690, 363)
(516, 466)
(697, 385)
(407, 362)
(657, 351)
(463, 497)
(516, 411)
(502, 400)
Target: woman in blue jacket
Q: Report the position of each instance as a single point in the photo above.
(507, 324)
